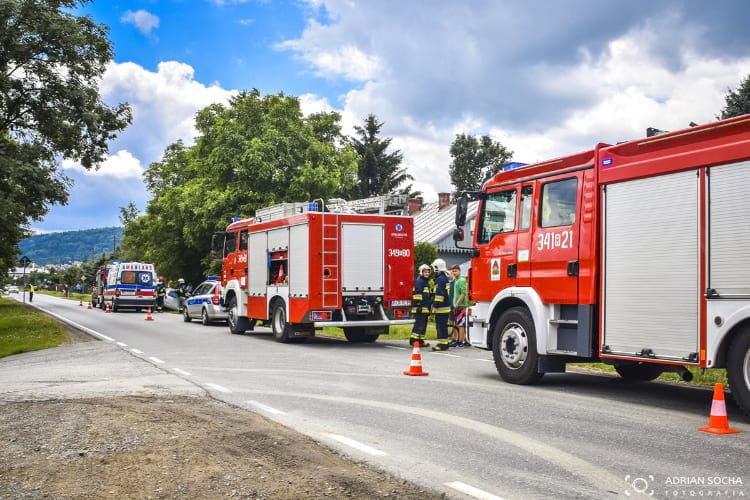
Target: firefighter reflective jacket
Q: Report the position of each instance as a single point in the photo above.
(421, 299)
(442, 301)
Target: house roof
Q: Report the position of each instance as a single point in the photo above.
(431, 225)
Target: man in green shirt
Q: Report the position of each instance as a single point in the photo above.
(460, 303)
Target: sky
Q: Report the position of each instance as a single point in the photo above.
(545, 78)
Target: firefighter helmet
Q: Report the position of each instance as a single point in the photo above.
(180, 281)
(423, 267)
(439, 265)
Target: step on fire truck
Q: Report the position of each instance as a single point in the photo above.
(636, 255)
(303, 267)
(124, 285)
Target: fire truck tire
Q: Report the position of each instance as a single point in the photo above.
(514, 347)
(738, 370)
(237, 324)
(355, 334)
(282, 331)
(644, 372)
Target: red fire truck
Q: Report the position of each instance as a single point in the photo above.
(301, 269)
(636, 255)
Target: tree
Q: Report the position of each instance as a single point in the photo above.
(50, 108)
(475, 161)
(737, 101)
(378, 171)
(424, 253)
(254, 152)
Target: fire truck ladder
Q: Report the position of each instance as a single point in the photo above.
(330, 273)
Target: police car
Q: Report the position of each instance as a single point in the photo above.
(203, 303)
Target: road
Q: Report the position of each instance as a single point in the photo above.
(460, 430)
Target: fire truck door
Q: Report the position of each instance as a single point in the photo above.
(554, 246)
(497, 238)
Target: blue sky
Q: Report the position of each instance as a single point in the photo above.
(544, 77)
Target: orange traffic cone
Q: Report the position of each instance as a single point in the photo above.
(148, 315)
(80, 303)
(106, 310)
(88, 306)
(718, 423)
(416, 363)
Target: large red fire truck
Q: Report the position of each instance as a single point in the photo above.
(636, 255)
(301, 269)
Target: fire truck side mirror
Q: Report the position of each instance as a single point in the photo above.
(458, 234)
(461, 208)
(215, 238)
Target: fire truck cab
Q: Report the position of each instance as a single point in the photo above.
(300, 269)
(636, 255)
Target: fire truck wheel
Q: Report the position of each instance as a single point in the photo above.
(643, 372)
(738, 370)
(355, 334)
(237, 324)
(514, 347)
(282, 331)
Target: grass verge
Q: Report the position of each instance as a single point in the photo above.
(23, 329)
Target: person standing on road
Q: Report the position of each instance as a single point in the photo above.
(161, 292)
(460, 303)
(421, 302)
(31, 292)
(441, 305)
(182, 292)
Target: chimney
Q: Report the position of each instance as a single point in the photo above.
(415, 205)
(444, 199)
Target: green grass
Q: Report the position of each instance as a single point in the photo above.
(700, 376)
(78, 297)
(398, 332)
(22, 329)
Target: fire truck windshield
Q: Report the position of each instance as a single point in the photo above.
(498, 215)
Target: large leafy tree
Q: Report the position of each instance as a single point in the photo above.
(254, 152)
(379, 172)
(50, 63)
(737, 101)
(475, 160)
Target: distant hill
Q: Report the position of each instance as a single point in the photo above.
(61, 248)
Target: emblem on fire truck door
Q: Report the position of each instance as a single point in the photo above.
(495, 270)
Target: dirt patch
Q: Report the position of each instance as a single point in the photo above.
(182, 447)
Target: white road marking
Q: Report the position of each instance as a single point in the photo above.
(79, 326)
(591, 473)
(472, 491)
(485, 360)
(219, 388)
(182, 372)
(394, 347)
(122, 344)
(136, 351)
(357, 445)
(265, 408)
(156, 360)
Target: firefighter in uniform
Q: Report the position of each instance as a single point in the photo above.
(441, 304)
(421, 302)
(161, 292)
(182, 292)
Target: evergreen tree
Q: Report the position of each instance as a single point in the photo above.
(475, 161)
(737, 101)
(378, 171)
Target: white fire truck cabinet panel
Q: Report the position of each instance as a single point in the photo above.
(278, 239)
(299, 261)
(362, 259)
(651, 263)
(729, 231)
(257, 275)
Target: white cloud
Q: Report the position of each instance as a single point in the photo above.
(164, 104)
(121, 165)
(145, 21)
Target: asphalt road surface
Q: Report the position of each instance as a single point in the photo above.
(460, 430)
